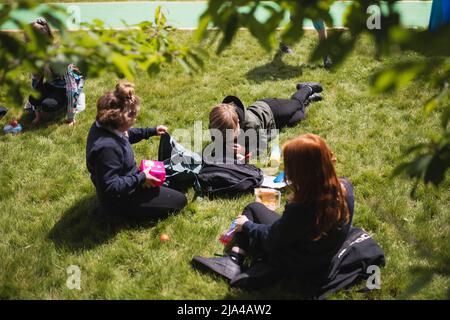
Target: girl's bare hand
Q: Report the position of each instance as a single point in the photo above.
(150, 181)
(160, 130)
(240, 220)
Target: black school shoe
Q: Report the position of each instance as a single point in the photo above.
(327, 63)
(3, 112)
(224, 266)
(315, 97)
(315, 86)
(258, 276)
(285, 49)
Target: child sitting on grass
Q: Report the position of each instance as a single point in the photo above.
(121, 189)
(312, 229)
(57, 88)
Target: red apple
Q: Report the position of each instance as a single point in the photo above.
(14, 123)
(164, 237)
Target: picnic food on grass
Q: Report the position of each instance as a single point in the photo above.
(271, 198)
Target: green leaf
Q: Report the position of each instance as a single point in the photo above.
(184, 64)
(229, 32)
(202, 27)
(435, 172)
(415, 168)
(122, 64)
(160, 18)
(153, 69)
(338, 45)
(197, 60)
(445, 117)
(431, 105)
(10, 43)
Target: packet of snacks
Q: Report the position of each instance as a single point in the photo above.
(271, 198)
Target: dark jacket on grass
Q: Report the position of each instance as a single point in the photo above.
(110, 161)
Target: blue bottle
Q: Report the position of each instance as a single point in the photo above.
(13, 130)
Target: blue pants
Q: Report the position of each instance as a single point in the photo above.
(440, 14)
(319, 25)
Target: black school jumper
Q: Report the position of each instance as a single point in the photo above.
(110, 161)
(286, 241)
(270, 114)
(286, 112)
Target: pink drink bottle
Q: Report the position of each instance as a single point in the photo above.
(227, 236)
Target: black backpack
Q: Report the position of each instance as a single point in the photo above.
(350, 264)
(229, 180)
(348, 267)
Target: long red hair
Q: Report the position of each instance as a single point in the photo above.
(309, 168)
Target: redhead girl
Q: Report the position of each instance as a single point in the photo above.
(311, 230)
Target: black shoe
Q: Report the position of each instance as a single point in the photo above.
(258, 276)
(315, 97)
(222, 266)
(285, 49)
(327, 63)
(3, 112)
(315, 86)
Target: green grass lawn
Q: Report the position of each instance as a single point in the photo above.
(47, 201)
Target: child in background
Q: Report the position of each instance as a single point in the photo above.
(57, 88)
(321, 29)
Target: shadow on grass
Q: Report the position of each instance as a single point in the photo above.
(48, 119)
(293, 289)
(276, 70)
(84, 226)
(284, 289)
(435, 253)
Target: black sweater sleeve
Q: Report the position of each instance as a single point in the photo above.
(281, 233)
(107, 169)
(137, 134)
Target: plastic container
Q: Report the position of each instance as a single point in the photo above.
(275, 157)
(155, 168)
(271, 198)
(13, 130)
(274, 162)
(81, 103)
(228, 235)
